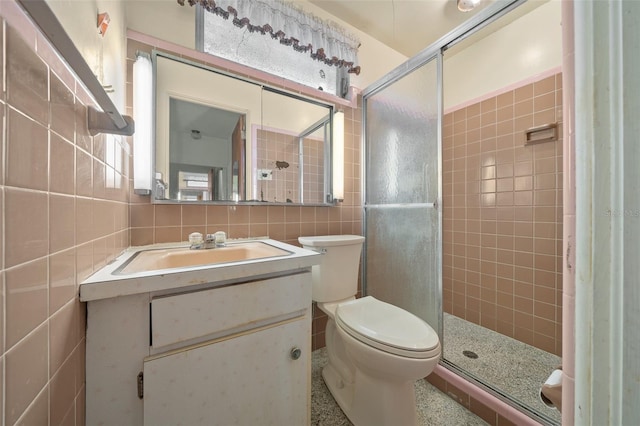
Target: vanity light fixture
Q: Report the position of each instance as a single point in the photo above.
(467, 5)
(142, 111)
(337, 166)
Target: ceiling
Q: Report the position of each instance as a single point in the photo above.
(210, 122)
(407, 26)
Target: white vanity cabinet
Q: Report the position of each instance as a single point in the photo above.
(235, 351)
(255, 378)
(240, 355)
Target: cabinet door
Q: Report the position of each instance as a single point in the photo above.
(250, 379)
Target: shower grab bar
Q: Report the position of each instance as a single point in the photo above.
(544, 133)
(109, 120)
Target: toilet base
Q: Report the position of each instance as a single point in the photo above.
(342, 392)
(371, 402)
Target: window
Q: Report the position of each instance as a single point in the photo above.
(280, 39)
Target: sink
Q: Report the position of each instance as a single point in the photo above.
(183, 257)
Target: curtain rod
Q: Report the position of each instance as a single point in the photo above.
(109, 120)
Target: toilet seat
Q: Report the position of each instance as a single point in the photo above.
(387, 328)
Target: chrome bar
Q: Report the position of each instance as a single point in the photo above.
(46, 20)
(401, 206)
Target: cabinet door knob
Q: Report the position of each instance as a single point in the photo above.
(295, 353)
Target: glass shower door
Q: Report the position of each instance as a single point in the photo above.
(402, 193)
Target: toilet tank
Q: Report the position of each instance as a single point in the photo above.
(336, 277)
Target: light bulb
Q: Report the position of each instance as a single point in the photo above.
(467, 5)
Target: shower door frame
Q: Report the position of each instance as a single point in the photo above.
(483, 18)
(435, 55)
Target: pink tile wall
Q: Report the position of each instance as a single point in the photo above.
(156, 223)
(64, 212)
(502, 217)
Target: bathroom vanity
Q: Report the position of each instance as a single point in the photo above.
(219, 343)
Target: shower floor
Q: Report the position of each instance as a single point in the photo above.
(515, 368)
(434, 407)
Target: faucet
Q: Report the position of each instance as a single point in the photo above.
(214, 240)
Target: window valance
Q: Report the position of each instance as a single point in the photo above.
(325, 41)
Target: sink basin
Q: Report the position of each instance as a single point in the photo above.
(172, 258)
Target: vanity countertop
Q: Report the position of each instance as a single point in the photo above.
(107, 283)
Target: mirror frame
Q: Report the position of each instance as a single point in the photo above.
(328, 154)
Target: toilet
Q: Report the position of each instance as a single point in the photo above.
(376, 350)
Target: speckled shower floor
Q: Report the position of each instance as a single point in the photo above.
(434, 407)
(516, 368)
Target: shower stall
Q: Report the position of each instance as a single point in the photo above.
(413, 226)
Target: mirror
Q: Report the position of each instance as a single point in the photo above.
(221, 138)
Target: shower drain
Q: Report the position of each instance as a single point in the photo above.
(470, 354)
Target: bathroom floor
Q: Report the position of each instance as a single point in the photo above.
(434, 407)
(507, 364)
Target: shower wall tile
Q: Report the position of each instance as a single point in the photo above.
(502, 217)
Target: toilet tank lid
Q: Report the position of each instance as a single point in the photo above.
(330, 240)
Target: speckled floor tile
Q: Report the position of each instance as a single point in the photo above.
(434, 407)
(515, 368)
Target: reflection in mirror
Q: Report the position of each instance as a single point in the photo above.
(206, 151)
(290, 154)
(220, 138)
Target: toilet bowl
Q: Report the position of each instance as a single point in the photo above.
(376, 350)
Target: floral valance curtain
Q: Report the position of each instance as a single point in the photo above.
(324, 40)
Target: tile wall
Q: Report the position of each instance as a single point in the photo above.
(64, 213)
(156, 223)
(502, 217)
